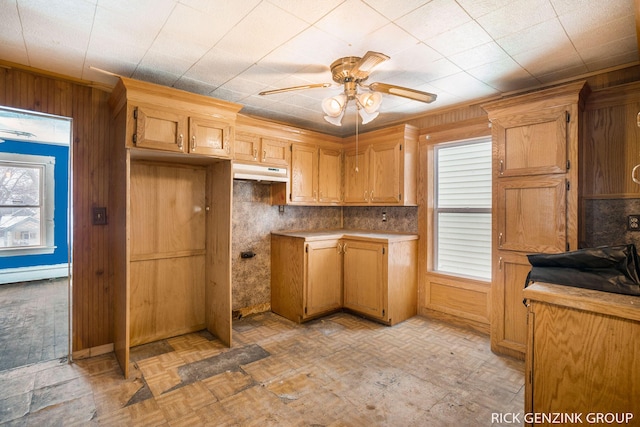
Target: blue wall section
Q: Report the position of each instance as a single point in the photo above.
(61, 154)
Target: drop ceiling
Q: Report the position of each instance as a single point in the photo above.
(462, 50)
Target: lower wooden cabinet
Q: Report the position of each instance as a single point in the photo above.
(582, 354)
(306, 277)
(315, 273)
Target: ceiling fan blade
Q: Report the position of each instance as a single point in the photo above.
(292, 88)
(416, 95)
(367, 63)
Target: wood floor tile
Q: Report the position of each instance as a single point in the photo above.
(341, 370)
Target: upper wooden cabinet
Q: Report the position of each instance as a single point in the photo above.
(612, 143)
(382, 169)
(527, 143)
(316, 174)
(169, 120)
(253, 148)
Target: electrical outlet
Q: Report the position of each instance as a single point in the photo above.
(384, 217)
(633, 223)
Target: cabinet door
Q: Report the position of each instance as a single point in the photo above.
(210, 137)
(365, 277)
(509, 320)
(160, 129)
(356, 176)
(304, 173)
(246, 147)
(275, 152)
(323, 288)
(329, 176)
(532, 214)
(384, 173)
(533, 143)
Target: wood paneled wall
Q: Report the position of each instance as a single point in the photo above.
(92, 295)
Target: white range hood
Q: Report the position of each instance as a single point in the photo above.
(265, 174)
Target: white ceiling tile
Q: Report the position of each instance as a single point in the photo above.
(544, 35)
(614, 53)
(11, 28)
(463, 85)
(389, 40)
(540, 62)
(218, 66)
(309, 11)
(477, 8)
(594, 10)
(153, 75)
(597, 64)
(516, 16)
(311, 47)
(505, 75)
(479, 55)
(165, 63)
(459, 39)
(195, 86)
(393, 9)
(65, 25)
(587, 36)
(265, 34)
(189, 33)
(352, 21)
(227, 12)
(435, 17)
(67, 62)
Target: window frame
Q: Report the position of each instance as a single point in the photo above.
(436, 210)
(47, 202)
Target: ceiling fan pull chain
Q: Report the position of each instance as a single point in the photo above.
(357, 108)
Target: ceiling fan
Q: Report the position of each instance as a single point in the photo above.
(352, 72)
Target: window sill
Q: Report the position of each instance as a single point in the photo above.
(27, 250)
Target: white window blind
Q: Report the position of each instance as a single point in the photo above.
(463, 208)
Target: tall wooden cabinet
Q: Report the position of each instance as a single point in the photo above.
(171, 215)
(536, 141)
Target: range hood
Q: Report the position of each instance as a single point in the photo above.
(265, 174)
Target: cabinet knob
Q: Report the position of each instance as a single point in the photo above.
(500, 240)
(193, 143)
(255, 154)
(264, 155)
(180, 140)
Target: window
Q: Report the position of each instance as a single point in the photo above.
(462, 208)
(26, 204)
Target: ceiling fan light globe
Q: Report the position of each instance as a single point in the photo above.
(334, 106)
(370, 101)
(367, 117)
(336, 121)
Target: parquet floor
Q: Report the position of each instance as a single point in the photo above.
(340, 370)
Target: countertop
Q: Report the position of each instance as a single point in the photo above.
(370, 235)
(611, 304)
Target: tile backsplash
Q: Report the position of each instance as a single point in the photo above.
(605, 222)
(254, 219)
